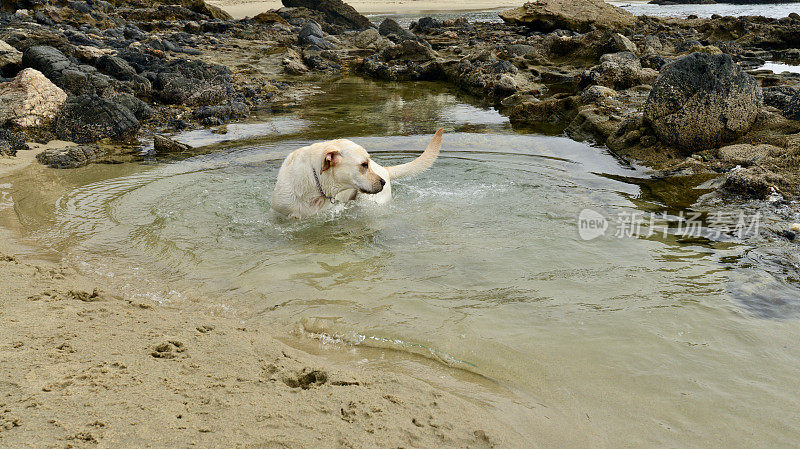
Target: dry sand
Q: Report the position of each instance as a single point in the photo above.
(242, 8)
(80, 366)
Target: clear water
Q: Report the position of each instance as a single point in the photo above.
(780, 67)
(639, 8)
(477, 264)
(636, 7)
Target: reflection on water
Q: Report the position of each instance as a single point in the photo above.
(477, 264)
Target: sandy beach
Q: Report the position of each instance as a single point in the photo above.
(239, 8)
(84, 367)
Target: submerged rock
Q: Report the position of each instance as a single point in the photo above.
(573, 15)
(163, 144)
(30, 99)
(702, 101)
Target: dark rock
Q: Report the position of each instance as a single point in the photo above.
(779, 97)
(334, 11)
(11, 142)
(173, 88)
(702, 101)
(224, 112)
(652, 61)
(391, 29)
(48, 60)
(116, 67)
(70, 157)
(792, 109)
(427, 24)
(140, 109)
(311, 28)
(88, 118)
(321, 61)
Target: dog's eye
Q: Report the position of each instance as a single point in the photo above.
(365, 164)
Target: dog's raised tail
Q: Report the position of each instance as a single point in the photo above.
(421, 163)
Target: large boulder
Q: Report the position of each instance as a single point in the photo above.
(30, 99)
(90, 118)
(574, 15)
(702, 101)
(336, 12)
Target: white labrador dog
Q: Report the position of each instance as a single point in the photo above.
(315, 177)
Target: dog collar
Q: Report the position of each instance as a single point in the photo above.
(319, 187)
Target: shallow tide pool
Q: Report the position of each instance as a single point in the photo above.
(477, 265)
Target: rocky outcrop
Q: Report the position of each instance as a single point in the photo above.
(336, 12)
(70, 157)
(573, 15)
(197, 6)
(89, 118)
(30, 99)
(702, 101)
(73, 78)
(409, 60)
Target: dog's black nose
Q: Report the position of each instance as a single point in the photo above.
(383, 183)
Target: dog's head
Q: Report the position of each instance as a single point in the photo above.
(349, 166)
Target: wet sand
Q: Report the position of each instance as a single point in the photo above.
(239, 9)
(80, 366)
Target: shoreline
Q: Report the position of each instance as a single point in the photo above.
(81, 361)
(241, 9)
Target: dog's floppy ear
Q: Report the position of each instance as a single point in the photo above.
(331, 158)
